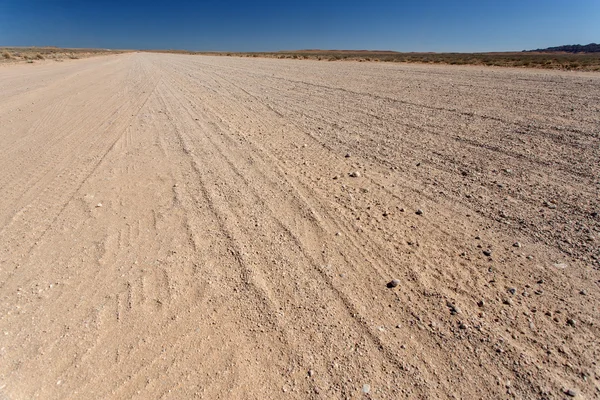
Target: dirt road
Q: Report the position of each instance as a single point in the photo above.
(188, 227)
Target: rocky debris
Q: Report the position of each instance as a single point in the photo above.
(366, 388)
(355, 174)
(393, 283)
(550, 205)
(453, 308)
(311, 373)
(347, 155)
(487, 253)
(517, 244)
(98, 205)
(571, 322)
(512, 290)
(570, 392)
(481, 303)
(419, 212)
(583, 292)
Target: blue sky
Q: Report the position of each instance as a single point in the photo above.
(268, 25)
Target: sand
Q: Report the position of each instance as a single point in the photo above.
(177, 227)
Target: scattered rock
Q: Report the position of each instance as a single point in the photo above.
(571, 322)
(385, 214)
(487, 253)
(99, 205)
(570, 392)
(401, 210)
(550, 205)
(462, 326)
(366, 389)
(583, 292)
(355, 174)
(311, 372)
(517, 244)
(508, 302)
(347, 155)
(393, 283)
(481, 303)
(336, 177)
(419, 212)
(453, 308)
(512, 290)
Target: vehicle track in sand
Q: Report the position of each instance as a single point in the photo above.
(181, 226)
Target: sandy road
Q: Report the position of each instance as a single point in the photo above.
(186, 227)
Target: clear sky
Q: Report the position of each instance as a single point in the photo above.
(269, 25)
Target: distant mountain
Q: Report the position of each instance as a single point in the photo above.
(570, 48)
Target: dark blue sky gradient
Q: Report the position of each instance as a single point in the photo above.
(434, 25)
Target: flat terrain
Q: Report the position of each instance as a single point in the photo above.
(177, 226)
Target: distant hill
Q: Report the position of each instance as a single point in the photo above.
(569, 48)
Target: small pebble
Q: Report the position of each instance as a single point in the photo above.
(570, 393)
(393, 283)
(481, 303)
(419, 212)
(453, 308)
(583, 292)
(347, 155)
(508, 302)
(571, 322)
(512, 290)
(487, 253)
(366, 389)
(517, 244)
(462, 326)
(311, 372)
(355, 174)
(99, 205)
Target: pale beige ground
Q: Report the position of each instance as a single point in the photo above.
(170, 227)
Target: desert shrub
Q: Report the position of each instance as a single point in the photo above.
(6, 55)
(39, 56)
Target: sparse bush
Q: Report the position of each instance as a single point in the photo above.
(6, 55)
(39, 56)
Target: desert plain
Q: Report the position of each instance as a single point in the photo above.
(178, 226)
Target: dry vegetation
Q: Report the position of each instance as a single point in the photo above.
(560, 61)
(29, 54)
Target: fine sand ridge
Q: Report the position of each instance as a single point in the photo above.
(178, 226)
